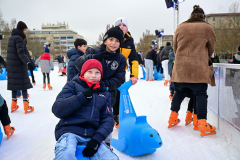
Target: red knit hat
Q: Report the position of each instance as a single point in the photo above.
(89, 64)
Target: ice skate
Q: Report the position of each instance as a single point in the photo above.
(8, 130)
(195, 122)
(14, 106)
(27, 108)
(173, 119)
(189, 118)
(205, 128)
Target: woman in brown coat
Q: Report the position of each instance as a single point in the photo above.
(194, 43)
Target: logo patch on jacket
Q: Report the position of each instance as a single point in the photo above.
(129, 47)
(114, 65)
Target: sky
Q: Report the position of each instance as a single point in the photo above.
(90, 17)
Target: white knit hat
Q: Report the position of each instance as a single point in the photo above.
(120, 20)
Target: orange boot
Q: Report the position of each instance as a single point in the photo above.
(166, 82)
(173, 119)
(49, 87)
(14, 106)
(44, 85)
(195, 122)
(8, 130)
(189, 118)
(205, 128)
(27, 108)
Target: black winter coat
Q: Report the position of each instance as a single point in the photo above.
(153, 56)
(113, 64)
(92, 119)
(17, 62)
(73, 55)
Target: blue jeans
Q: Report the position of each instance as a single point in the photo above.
(66, 147)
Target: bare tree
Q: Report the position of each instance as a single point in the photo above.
(145, 42)
(100, 37)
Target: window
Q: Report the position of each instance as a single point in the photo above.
(55, 37)
(43, 38)
(69, 37)
(63, 38)
(213, 18)
(56, 43)
(63, 42)
(70, 43)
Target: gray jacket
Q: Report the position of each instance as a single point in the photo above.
(164, 55)
(46, 62)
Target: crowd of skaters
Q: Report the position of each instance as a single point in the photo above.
(93, 79)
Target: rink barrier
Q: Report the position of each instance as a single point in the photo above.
(224, 100)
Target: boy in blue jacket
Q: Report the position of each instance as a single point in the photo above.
(84, 107)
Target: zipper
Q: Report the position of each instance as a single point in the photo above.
(92, 107)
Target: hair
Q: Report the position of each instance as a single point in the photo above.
(197, 12)
(79, 42)
(168, 44)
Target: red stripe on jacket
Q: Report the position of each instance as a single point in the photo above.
(45, 56)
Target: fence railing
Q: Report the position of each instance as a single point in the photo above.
(224, 98)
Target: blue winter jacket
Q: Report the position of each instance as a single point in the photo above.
(89, 120)
(73, 55)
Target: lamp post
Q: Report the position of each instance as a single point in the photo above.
(1, 37)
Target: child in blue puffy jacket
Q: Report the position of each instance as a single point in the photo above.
(84, 109)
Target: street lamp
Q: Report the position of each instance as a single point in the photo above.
(159, 34)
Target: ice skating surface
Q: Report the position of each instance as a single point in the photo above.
(34, 136)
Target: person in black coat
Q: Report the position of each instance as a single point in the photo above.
(150, 61)
(31, 67)
(140, 58)
(73, 55)
(17, 66)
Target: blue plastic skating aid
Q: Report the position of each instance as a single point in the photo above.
(1, 136)
(135, 136)
(157, 75)
(3, 75)
(78, 153)
(144, 73)
(29, 73)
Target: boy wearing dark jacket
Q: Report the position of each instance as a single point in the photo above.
(113, 62)
(86, 117)
(73, 55)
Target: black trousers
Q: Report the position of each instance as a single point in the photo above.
(44, 78)
(32, 75)
(115, 100)
(199, 90)
(24, 94)
(4, 117)
(192, 105)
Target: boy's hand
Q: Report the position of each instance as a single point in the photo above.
(134, 80)
(89, 93)
(91, 148)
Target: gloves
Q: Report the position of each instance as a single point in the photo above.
(91, 148)
(89, 93)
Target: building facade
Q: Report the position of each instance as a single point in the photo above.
(59, 36)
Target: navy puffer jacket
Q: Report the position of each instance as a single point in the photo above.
(89, 120)
(73, 55)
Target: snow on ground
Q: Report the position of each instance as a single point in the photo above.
(34, 135)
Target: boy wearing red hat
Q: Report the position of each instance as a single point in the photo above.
(84, 107)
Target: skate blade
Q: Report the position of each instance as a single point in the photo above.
(188, 122)
(207, 134)
(16, 108)
(172, 125)
(29, 111)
